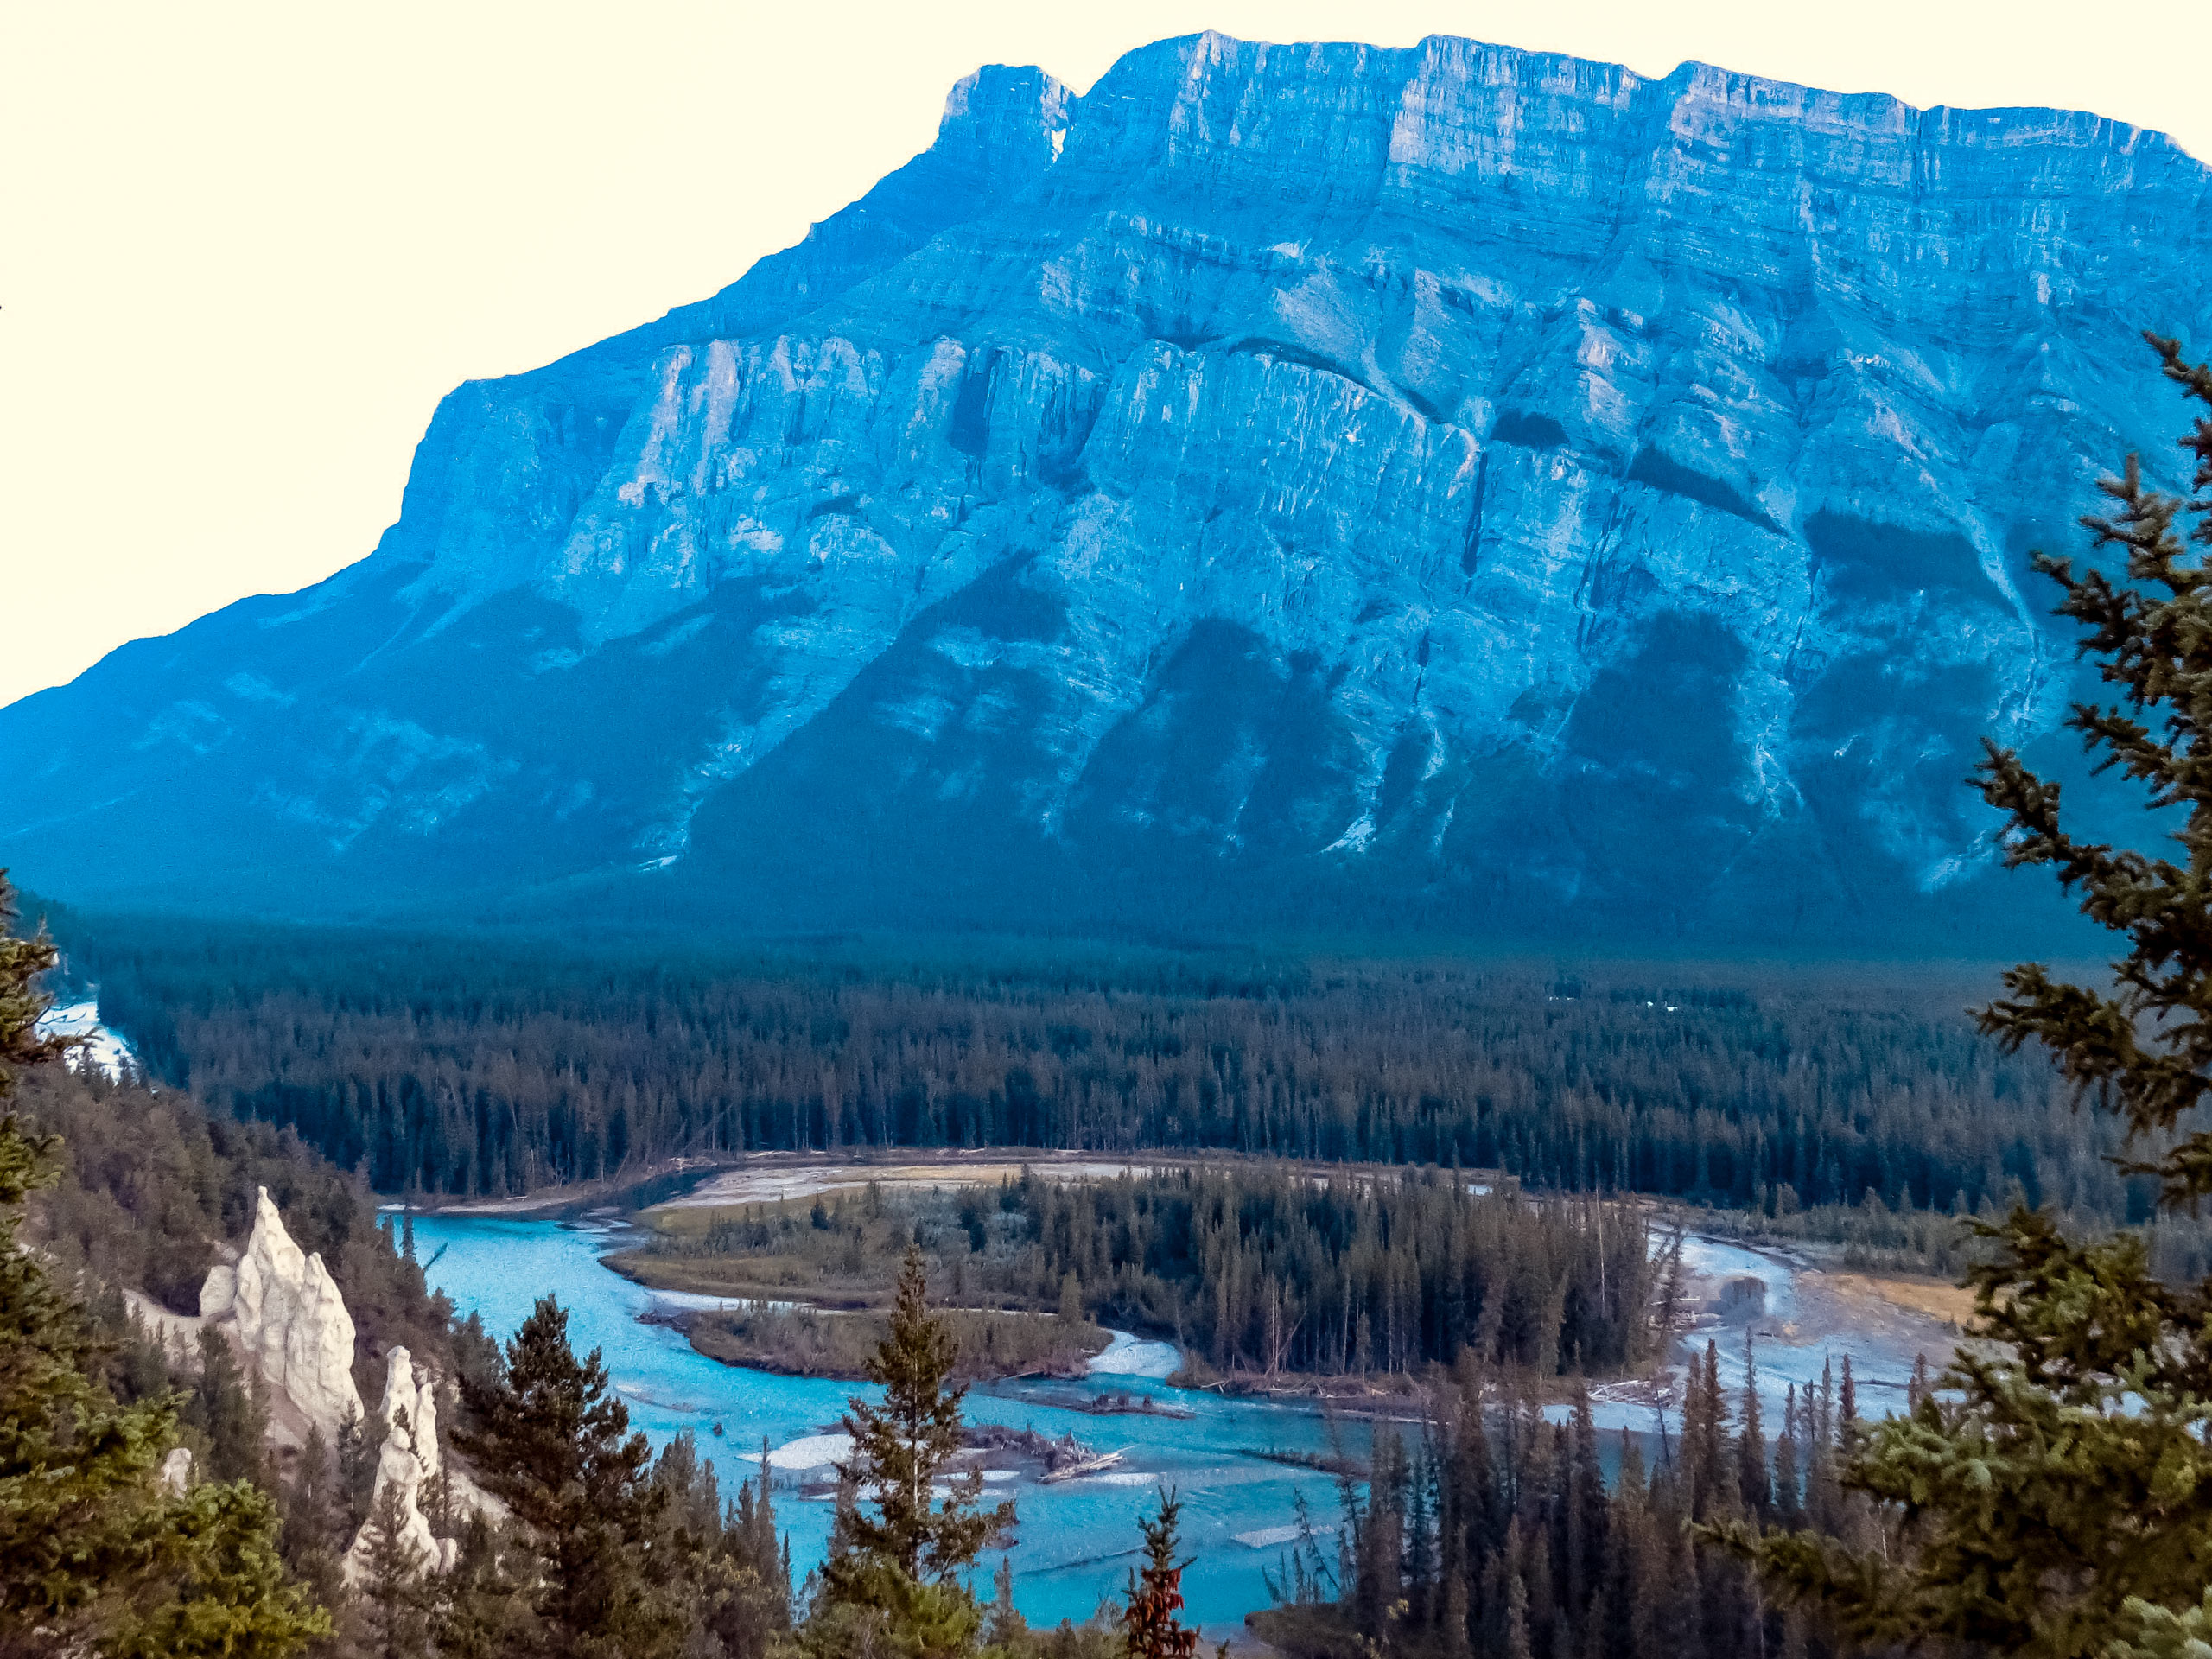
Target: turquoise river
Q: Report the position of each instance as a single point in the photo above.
(1076, 1540)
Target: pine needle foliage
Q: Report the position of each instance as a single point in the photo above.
(394, 1609)
(555, 1444)
(2144, 1048)
(95, 1554)
(894, 1580)
(1151, 1619)
(900, 1446)
(2052, 1498)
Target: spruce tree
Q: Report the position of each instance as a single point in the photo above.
(554, 1445)
(224, 1411)
(2055, 1490)
(394, 1600)
(1005, 1630)
(360, 1445)
(1150, 1617)
(894, 1574)
(94, 1549)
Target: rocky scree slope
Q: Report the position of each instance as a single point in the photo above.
(1452, 486)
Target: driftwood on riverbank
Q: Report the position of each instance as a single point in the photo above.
(1090, 1465)
(1063, 1459)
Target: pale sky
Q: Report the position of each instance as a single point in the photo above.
(246, 248)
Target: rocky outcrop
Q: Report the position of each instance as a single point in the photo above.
(290, 1324)
(408, 1461)
(1449, 486)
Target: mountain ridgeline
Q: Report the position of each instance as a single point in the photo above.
(1449, 488)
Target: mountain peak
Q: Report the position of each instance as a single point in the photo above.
(1443, 486)
(1005, 116)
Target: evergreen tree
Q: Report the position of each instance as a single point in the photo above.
(554, 1445)
(894, 1574)
(360, 1444)
(1150, 1624)
(1753, 1480)
(482, 1608)
(757, 1615)
(395, 1599)
(94, 1550)
(1005, 1630)
(1518, 1645)
(224, 1411)
(2060, 1497)
(690, 1494)
(317, 1521)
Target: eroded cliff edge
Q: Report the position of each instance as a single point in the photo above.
(1452, 486)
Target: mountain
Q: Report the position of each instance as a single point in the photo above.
(1452, 487)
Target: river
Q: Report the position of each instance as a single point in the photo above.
(1076, 1539)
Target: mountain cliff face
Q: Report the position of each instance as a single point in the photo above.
(1451, 487)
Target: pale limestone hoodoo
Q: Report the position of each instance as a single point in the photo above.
(409, 1459)
(287, 1318)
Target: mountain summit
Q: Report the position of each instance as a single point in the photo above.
(1451, 487)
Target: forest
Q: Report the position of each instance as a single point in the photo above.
(483, 1067)
(1254, 1271)
(1492, 1530)
(148, 1181)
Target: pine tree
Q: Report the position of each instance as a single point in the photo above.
(482, 1608)
(1005, 1630)
(223, 1409)
(2061, 1495)
(317, 1525)
(1789, 1507)
(690, 1494)
(394, 1602)
(1518, 1645)
(360, 1444)
(554, 1445)
(1586, 1507)
(751, 1614)
(1150, 1624)
(93, 1549)
(896, 1573)
(1752, 1476)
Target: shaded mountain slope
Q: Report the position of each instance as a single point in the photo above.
(1449, 488)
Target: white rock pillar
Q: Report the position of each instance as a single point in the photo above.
(408, 1458)
(289, 1321)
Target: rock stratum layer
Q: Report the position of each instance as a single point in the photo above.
(1452, 486)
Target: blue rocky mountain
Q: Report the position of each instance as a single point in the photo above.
(1318, 486)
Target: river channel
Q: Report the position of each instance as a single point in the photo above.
(1077, 1540)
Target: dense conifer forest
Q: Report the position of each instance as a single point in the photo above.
(1492, 1530)
(484, 1068)
(1254, 1270)
(1263, 1270)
